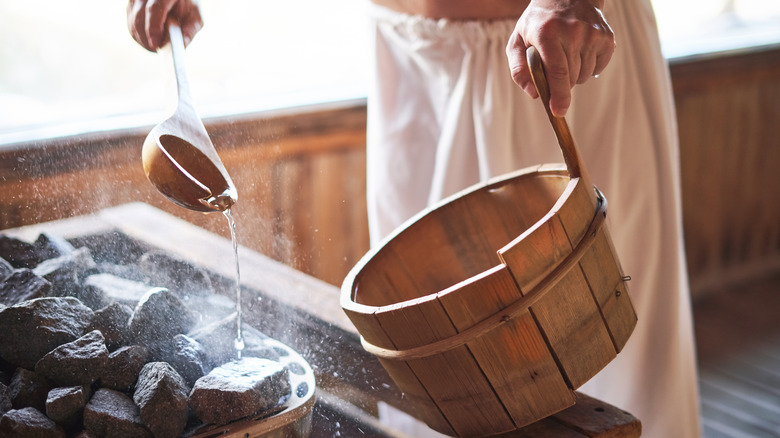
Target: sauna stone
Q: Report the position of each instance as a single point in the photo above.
(50, 246)
(30, 423)
(5, 399)
(116, 289)
(75, 363)
(122, 368)
(217, 340)
(113, 414)
(30, 329)
(188, 358)
(5, 268)
(65, 405)
(238, 389)
(65, 271)
(159, 316)
(29, 389)
(175, 274)
(161, 396)
(21, 285)
(18, 253)
(112, 321)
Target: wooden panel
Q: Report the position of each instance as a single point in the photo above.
(727, 111)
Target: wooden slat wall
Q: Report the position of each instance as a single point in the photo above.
(728, 110)
(301, 175)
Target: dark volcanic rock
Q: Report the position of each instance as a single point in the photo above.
(66, 405)
(18, 253)
(6, 404)
(218, 339)
(188, 358)
(21, 285)
(121, 370)
(5, 268)
(238, 389)
(112, 321)
(31, 329)
(50, 246)
(159, 316)
(64, 273)
(175, 274)
(113, 288)
(79, 362)
(29, 389)
(113, 414)
(29, 423)
(161, 396)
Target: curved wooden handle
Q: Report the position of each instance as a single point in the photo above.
(565, 139)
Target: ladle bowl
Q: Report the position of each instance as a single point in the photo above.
(178, 156)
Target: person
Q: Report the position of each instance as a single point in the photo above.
(449, 107)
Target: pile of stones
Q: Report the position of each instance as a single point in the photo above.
(110, 342)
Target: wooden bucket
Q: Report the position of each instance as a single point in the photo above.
(489, 309)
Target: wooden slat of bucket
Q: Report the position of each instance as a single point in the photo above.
(601, 267)
(568, 314)
(513, 356)
(368, 326)
(611, 291)
(452, 378)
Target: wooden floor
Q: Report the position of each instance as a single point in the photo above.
(738, 337)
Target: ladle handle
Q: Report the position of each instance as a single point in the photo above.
(177, 53)
(565, 139)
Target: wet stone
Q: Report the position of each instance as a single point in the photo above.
(21, 285)
(188, 358)
(175, 274)
(122, 368)
(158, 317)
(113, 414)
(29, 423)
(112, 321)
(79, 362)
(5, 268)
(218, 338)
(30, 329)
(29, 389)
(113, 288)
(6, 404)
(238, 389)
(127, 272)
(18, 253)
(66, 405)
(50, 246)
(161, 396)
(64, 272)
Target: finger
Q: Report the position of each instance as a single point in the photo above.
(601, 61)
(556, 68)
(156, 15)
(587, 66)
(136, 23)
(575, 63)
(518, 65)
(191, 23)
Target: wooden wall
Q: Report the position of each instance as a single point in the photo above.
(728, 111)
(301, 175)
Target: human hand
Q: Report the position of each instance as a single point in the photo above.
(146, 20)
(573, 39)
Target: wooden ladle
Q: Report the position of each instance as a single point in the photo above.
(178, 156)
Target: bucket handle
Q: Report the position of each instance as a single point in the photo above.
(571, 155)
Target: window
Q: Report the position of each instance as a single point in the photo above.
(71, 67)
